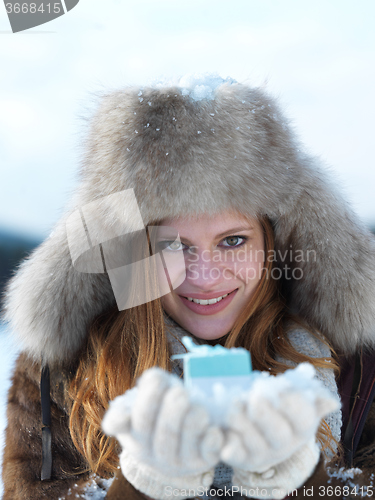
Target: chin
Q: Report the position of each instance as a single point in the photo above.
(207, 332)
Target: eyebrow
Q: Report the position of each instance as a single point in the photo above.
(235, 230)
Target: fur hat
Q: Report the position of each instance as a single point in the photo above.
(183, 154)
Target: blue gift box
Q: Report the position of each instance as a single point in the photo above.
(206, 366)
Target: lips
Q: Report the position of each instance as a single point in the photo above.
(207, 305)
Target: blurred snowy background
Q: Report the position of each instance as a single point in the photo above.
(317, 57)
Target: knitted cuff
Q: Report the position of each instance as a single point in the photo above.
(159, 486)
(281, 479)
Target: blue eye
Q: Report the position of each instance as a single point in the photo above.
(234, 241)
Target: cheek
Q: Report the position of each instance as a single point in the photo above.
(166, 302)
(250, 274)
(170, 304)
(249, 268)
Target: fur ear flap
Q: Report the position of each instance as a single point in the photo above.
(334, 285)
(50, 305)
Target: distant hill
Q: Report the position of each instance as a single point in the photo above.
(13, 248)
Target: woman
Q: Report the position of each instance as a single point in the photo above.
(216, 163)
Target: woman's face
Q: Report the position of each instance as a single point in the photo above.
(224, 257)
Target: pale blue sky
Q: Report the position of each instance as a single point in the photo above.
(317, 57)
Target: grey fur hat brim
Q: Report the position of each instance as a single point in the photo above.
(181, 156)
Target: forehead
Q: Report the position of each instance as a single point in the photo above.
(211, 224)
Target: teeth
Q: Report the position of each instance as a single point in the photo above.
(207, 302)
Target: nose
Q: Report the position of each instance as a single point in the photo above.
(203, 271)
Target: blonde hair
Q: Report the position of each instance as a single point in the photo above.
(122, 345)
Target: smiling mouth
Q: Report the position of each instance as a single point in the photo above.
(208, 302)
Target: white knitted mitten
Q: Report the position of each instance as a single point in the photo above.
(167, 440)
(270, 438)
(279, 481)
